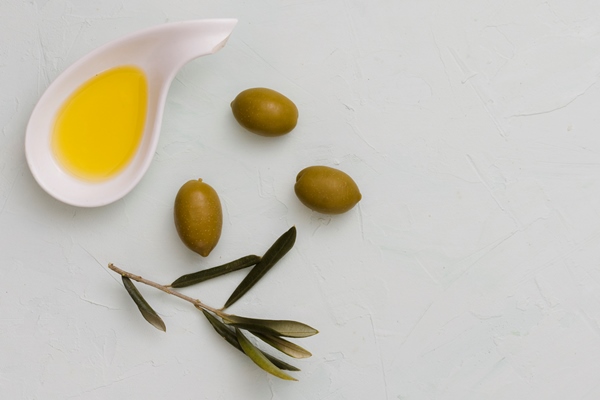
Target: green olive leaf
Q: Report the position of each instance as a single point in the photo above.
(271, 326)
(285, 346)
(147, 312)
(281, 246)
(201, 276)
(259, 358)
(229, 335)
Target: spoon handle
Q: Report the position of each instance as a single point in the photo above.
(178, 43)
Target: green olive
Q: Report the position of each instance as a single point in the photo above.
(198, 216)
(265, 112)
(326, 190)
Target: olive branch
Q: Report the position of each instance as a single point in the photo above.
(231, 327)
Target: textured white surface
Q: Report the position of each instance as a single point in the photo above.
(470, 270)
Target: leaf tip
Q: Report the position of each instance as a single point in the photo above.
(259, 358)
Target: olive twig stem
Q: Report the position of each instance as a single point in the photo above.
(165, 289)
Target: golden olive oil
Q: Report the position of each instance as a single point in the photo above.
(99, 127)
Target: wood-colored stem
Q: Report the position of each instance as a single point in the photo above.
(165, 289)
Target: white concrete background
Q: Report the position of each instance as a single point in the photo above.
(470, 270)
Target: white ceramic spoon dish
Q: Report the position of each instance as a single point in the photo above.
(160, 52)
